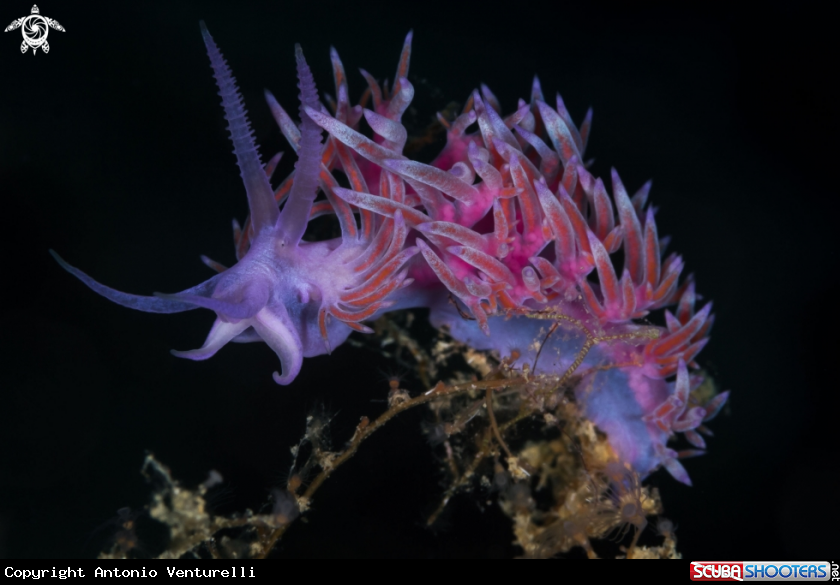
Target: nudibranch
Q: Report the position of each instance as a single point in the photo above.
(504, 225)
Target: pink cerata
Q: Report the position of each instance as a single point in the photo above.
(505, 223)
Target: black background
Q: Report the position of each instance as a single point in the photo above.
(113, 151)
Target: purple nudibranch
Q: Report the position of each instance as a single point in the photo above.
(507, 221)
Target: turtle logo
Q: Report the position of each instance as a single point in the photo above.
(35, 29)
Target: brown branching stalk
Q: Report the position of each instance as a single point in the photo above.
(365, 429)
(592, 497)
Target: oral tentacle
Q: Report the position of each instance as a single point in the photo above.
(250, 298)
(220, 334)
(277, 330)
(146, 304)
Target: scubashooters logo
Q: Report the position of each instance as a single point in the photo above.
(761, 571)
(35, 29)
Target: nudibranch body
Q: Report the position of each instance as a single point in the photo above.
(506, 237)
